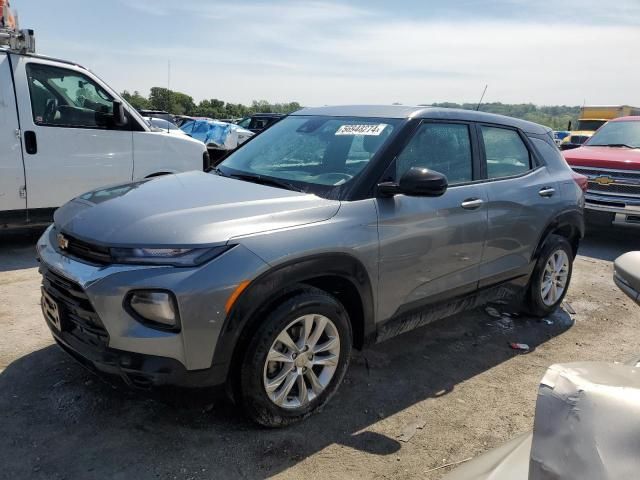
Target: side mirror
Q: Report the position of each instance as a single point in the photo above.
(626, 274)
(119, 117)
(417, 182)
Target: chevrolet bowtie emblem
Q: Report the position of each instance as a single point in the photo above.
(63, 243)
(604, 180)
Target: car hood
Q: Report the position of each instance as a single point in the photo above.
(193, 208)
(604, 157)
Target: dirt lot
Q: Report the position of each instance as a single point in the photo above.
(453, 390)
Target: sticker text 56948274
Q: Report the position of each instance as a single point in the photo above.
(361, 129)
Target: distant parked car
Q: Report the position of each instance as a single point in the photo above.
(164, 125)
(260, 121)
(217, 135)
(157, 114)
(180, 120)
(560, 135)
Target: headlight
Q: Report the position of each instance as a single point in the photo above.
(155, 307)
(179, 257)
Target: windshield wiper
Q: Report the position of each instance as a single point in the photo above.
(274, 182)
(621, 145)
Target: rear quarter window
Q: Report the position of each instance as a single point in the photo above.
(550, 153)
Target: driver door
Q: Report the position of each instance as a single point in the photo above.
(70, 146)
(431, 247)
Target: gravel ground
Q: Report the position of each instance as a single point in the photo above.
(437, 395)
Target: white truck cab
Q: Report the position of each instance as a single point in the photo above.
(63, 132)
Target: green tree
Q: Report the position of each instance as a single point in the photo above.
(556, 117)
(136, 100)
(177, 103)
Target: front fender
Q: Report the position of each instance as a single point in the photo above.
(283, 280)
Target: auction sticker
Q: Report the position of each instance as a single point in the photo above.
(361, 129)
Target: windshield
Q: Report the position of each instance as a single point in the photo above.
(312, 152)
(617, 134)
(590, 125)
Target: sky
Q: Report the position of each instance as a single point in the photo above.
(326, 52)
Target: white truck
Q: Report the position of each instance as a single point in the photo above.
(63, 131)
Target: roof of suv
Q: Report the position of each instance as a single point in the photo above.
(405, 111)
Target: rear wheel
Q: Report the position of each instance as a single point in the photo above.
(551, 277)
(296, 359)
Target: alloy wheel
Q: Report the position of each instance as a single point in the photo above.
(301, 361)
(554, 277)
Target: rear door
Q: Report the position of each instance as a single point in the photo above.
(431, 247)
(71, 145)
(11, 167)
(523, 197)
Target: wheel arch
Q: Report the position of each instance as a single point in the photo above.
(340, 275)
(569, 224)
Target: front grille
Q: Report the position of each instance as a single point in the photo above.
(77, 315)
(625, 183)
(593, 172)
(615, 189)
(86, 251)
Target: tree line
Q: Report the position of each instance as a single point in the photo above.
(178, 103)
(556, 117)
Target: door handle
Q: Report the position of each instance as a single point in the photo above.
(472, 203)
(547, 191)
(30, 142)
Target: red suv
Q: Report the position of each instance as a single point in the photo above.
(611, 161)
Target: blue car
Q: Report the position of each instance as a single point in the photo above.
(559, 135)
(215, 134)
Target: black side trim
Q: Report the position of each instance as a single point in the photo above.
(274, 284)
(409, 319)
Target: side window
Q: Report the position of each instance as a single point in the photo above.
(65, 98)
(506, 153)
(443, 147)
(550, 153)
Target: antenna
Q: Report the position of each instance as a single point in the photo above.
(482, 97)
(168, 88)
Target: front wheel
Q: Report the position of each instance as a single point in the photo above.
(296, 359)
(551, 277)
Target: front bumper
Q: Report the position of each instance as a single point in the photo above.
(97, 330)
(624, 210)
(135, 369)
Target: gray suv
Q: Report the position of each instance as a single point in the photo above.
(336, 228)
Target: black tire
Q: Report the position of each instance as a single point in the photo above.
(535, 304)
(252, 395)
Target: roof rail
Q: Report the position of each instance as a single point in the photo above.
(21, 41)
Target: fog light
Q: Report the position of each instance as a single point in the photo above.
(157, 307)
